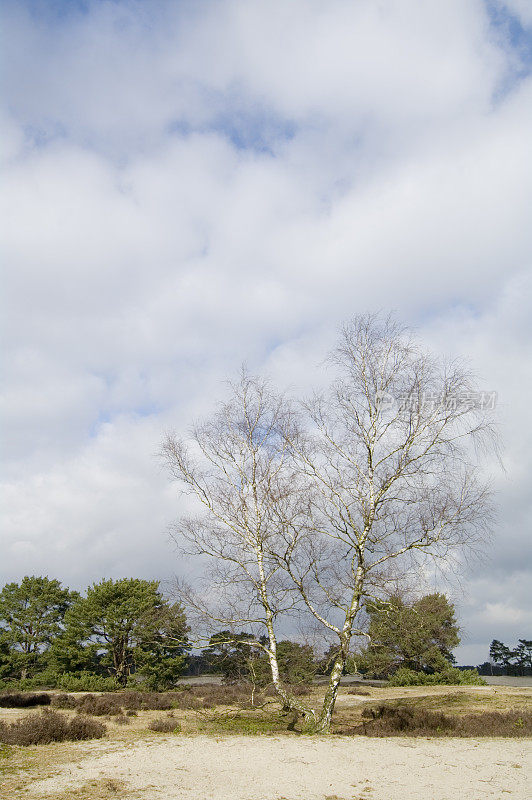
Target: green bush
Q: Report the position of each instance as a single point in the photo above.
(81, 681)
(41, 680)
(86, 682)
(449, 677)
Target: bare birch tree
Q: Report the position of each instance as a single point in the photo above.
(390, 451)
(374, 478)
(238, 467)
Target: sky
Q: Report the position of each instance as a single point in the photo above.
(191, 185)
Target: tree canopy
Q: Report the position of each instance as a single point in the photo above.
(419, 636)
(122, 627)
(31, 617)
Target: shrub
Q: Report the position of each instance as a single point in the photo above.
(165, 725)
(85, 728)
(146, 701)
(50, 726)
(300, 690)
(17, 700)
(65, 701)
(97, 705)
(405, 720)
(86, 682)
(496, 723)
(450, 677)
(46, 679)
(393, 721)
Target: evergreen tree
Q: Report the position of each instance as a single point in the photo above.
(31, 617)
(121, 627)
(419, 636)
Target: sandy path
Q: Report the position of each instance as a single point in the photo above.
(269, 768)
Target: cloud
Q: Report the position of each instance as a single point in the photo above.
(189, 186)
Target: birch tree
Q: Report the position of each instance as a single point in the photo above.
(318, 511)
(239, 469)
(391, 451)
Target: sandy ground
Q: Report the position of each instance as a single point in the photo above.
(283, 768)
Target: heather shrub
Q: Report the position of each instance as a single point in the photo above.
(18, 700)
(99, 705)
(65, 701)
(496, 723)
(301, 690)
(393, 721)
(49, 726)
(85, 728)
(188, 701)
(145, 701)
(409, 721)
(165, 725)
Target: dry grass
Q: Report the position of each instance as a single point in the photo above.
(98, 789)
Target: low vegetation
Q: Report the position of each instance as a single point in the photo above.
(451, 676)
(50, 726)
(165, 725)
(403, 720)
(18, 700)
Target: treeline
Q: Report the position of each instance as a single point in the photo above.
(505, 660)
(125, 632)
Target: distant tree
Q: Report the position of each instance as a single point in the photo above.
(325, 663)
(419, 636)
(196, 664)
(500, 654)
(523, 654)
(518, 661)
(235, 658)
(121, 627)
(31, 617)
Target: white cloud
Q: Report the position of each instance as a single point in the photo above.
(188, 188)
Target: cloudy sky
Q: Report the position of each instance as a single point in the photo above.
(188, 185)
